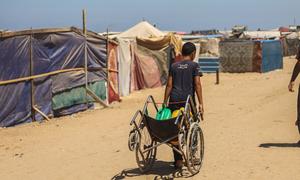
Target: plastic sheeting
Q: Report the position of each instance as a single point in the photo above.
(15, 103)
(50, 52)
(251, 56)
(272, 57)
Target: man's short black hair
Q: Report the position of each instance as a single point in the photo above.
(188, 48)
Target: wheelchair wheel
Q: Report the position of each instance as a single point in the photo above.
(145, 159)
(195, 148)
(133, 140)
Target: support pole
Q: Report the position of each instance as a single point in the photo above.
(217, 77)
(107, 66)
(87, 90)
(32, 80)
(85, 55)
(39, 111)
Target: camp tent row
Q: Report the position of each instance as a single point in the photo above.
(53, 72)
(251, 53)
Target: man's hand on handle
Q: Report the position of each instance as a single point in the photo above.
(291, 87)
(201, 110)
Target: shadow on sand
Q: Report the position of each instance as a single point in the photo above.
(281, 145)
(160, 170)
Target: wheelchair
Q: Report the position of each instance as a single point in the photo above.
(182, 133)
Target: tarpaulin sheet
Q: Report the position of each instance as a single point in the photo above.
(144, 71)
(290, 46)
(161, 59)
(159, 43)
(69, 80)
(237, 56)
(72, 109)
(271, 55)
(50, 52)
(43, 97)
(14, 98)
(113, 73)
(15, 104)
(124, 66)
(77, 95)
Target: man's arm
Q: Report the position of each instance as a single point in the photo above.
(168, 89)
(198, 89)
(294, 75)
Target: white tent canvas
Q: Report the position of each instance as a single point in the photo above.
(141, 30)
(263, 34)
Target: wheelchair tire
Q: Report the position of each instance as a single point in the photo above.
(145, 160)
(194, 148)
(133, 140)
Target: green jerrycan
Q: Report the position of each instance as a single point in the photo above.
(163, 114)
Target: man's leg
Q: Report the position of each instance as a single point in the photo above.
(177, 158)
(298, 110)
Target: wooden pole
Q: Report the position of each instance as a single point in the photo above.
(107, 66)
(217, 76)
(29, 78)
(32, 80)
(39, 111)
(85, 54)
(88, 92)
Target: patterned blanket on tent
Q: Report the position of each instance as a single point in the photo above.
(236, 57)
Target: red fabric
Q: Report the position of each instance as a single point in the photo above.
(113, 75)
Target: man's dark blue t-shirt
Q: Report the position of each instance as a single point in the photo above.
(183, 74)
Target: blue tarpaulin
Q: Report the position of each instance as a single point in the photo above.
(51, 51)
(272, 56)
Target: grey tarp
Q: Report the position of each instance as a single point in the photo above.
(290, 46)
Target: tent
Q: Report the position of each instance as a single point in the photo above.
(49, 72)
(143, 30)
(144, 57)
(206, 46)
(261, 35)
(250, 56)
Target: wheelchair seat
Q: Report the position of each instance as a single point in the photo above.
(161, 130)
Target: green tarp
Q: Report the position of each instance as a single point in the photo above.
(77, 95)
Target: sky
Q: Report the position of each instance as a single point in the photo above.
(173, 15)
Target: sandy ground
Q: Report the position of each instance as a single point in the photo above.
(249, 134)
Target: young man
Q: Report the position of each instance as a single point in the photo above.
(184, 80)
(291, 85)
